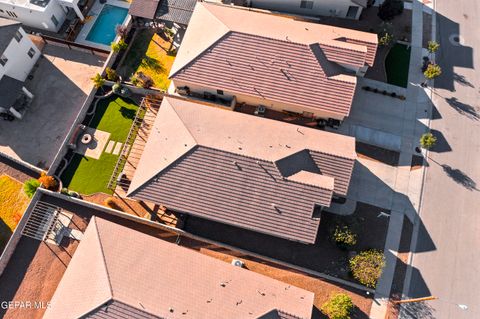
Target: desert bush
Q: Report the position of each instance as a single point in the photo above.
(111, 74)
(367, 267)
(432, 71)
(427, 140)
(433, 46)
(338, 306)
(31, 186)
(344, 237)
(121, 31)
(385, 39)
(118, 46)
(98, 81)
(48, 182)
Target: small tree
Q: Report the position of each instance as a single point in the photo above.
(427, 140)
(433, 46)
(433, 70)
(367, 267)
(344, 237)
(98, 81)
(30, 187)
(338, 306)
(389, 9)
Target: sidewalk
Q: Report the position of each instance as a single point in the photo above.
(408, 182)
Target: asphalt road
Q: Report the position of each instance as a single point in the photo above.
(447, 258)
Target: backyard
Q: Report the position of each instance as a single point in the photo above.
(397, 64)
(150, 54)
(13, 203)
(88, 175)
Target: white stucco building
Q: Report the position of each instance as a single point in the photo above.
(41, 14)
(336, 8)
(18, 54)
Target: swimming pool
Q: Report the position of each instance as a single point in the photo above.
(103, 30)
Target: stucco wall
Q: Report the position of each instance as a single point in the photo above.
(259, 101)
(35, 16)
(337, 8)
(19, 64)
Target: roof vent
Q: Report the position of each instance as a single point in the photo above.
(238, 263)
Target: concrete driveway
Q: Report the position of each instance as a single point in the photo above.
(60, 83)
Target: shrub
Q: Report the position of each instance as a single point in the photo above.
(432, 71)
(338, 306)
(30, 187)
(427, 140)
(117, 47)
(433, 46)
(389, 9)
(121, 31)
(344, 237)
(385, 39)
(48, 181)
(367, 266)
(111, 74)
(98, 81)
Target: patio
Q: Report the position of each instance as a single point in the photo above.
(90, 169)
(38, 136)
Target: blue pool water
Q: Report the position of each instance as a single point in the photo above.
(103, 30)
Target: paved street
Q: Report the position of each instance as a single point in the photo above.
(447, 256)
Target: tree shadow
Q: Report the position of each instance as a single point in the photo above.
(462, 80)
(460, 177)
(418, 310)
(463, 108)
(127, 113)
(152, 63)
(441, 145)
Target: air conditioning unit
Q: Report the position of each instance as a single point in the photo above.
(238, 263)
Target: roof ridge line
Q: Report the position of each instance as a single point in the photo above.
(183, 123)
(103, 257)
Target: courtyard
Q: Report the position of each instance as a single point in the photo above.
(60, 84)
(90, 169)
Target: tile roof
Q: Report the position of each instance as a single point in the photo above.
(143, 8)
(117, 272)
(7, 31)
(272, 57)
(179, 11)
(242, 170)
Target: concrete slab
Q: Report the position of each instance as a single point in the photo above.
(117, 149)
(109, 147)
(60, 84)
(94, 149)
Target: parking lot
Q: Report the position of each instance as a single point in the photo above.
(60, 84)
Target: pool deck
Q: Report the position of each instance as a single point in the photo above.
(90, 21)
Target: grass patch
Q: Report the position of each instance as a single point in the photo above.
(150, 54)
(13, 203)
(114, 115)
(397, 64)
(88, 175)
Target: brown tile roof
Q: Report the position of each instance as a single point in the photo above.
(272, 57)
(143, 8)
(117, 272)
(242, 170)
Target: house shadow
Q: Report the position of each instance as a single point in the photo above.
(441, 145)
(451, 46)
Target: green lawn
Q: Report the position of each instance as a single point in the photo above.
(397, 64)
(88, 175)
